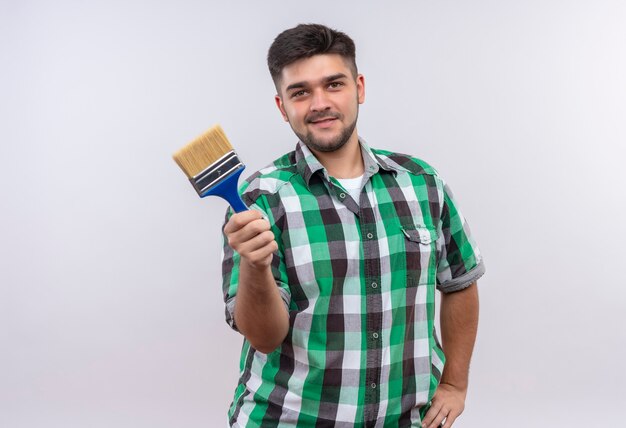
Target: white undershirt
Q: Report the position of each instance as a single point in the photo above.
(352, 185)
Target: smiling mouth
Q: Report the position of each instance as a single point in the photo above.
(324, 120)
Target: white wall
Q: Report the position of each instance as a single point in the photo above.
(111, 312)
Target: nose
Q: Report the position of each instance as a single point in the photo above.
(319, 101)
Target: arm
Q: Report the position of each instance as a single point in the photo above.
(459, 322)
(260, 313)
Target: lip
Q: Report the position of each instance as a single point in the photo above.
(324, 123)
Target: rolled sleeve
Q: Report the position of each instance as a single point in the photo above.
(459, 261)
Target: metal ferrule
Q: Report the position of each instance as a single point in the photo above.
(216, 172)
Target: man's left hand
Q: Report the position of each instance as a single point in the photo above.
(448, 403)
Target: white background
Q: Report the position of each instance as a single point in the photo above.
(111, 311)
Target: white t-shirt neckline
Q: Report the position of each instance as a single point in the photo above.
(352, 185)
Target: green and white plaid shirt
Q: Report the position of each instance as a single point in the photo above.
(358, 279)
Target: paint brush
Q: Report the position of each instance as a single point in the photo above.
(212, 166)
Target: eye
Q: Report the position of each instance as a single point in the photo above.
(335, 85)
(297, 94)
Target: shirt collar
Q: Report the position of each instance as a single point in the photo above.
(308, 165)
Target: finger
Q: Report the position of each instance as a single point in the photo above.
(440, 417)
(260, 241)
(451, 418)
(248, 232)
(431, 414)
(264, 255)
(255, 227)
(239, 220)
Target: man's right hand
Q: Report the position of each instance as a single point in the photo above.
(249, 234)
(260, 313)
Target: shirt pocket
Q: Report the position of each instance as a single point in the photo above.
(420, 248)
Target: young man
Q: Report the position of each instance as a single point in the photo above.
(331, 275)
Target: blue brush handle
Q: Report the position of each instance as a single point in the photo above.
(227, 189)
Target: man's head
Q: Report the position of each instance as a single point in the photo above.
(318, 86)
(306, 40)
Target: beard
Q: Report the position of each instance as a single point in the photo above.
(324, 145)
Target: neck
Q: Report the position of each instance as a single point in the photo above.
(347, 162)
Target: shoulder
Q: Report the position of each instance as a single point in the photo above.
(269, 179)
(405, 163)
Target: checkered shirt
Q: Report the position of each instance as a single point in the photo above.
(358, 281)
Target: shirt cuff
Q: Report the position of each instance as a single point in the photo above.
(230, 307)
(463, 281)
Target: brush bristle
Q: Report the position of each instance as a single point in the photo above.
(196, 156)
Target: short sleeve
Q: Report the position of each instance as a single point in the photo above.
(459, 261)
(230, 268)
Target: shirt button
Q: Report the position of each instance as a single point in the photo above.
(373, 385)
(370, 235)
(342, 195)
(374, 285)
(375, 335)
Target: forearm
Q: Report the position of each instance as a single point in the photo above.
(459, 323)
(260, 312)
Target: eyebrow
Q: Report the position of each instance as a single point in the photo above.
(326, 79)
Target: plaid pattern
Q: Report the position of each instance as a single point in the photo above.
(359, 283)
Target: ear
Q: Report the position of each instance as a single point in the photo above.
(281, 108)
(360, 88)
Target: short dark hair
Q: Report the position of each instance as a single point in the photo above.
(306, 40)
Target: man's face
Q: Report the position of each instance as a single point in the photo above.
(320, 98)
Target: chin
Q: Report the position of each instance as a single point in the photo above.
(326, 146)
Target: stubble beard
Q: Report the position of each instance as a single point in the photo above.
(328, 146)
